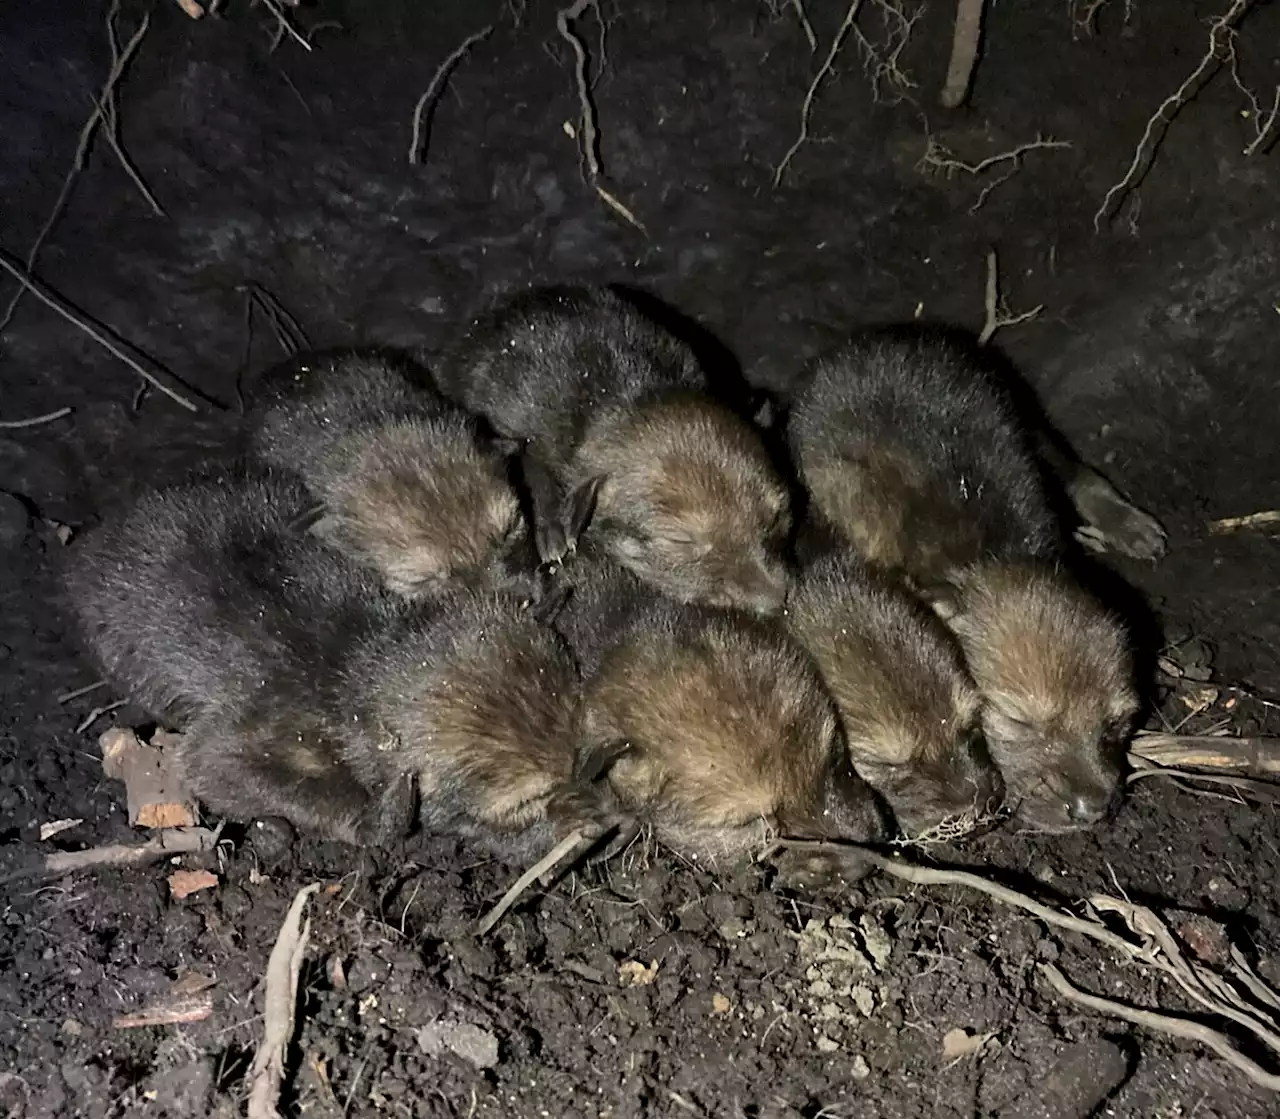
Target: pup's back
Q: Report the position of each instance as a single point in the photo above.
(912, 452)
(540, 364)
(192, 594)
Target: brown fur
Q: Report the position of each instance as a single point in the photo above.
(732, 736)
(1057, 675)
(909, 708)
(690, 501)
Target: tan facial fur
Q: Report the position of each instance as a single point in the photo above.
(1056, 674)
(910, 711)
(423, 505)
(690, 502)
(732, 736)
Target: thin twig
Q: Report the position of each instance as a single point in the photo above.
(56, 303)
(996, 316)
(807, 107)
(106, 96)
(1220, 30)
(426, 106)
(570, 842)
(67, 697)
(805, 25)
(1256, 755)
(97, 714)
(1163, 1023)
(170, 841)
(1267, 518)
(938, 158)
(285, 964)
(35, 421)
(111, 114)
(285, 26)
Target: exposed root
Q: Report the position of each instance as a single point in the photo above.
(807, 107)
(880, 61)
(426, 106)
(35, 421)
(104, 111)
(267, 1071)
(284, 27)
(575, 842)
(1239, 996)
(590, 138)
(1084, 15)
(1221, 48)
(997, 314)
(57, 303)
(805, 25)
(937, 158)
(964, 53)
(165, 844)
(950, 829)
(1268, 518)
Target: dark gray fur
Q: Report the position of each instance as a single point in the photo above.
(603, 399)
(405, 479)
(307, 690)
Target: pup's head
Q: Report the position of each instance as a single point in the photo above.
(909, 707)
(1056, 674)
(427, 504)
(689, 500)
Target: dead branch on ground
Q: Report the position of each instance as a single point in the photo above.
(190, 999)
(57, 303)
(425, 109)
(266, 1074)
(1259, 757)
(35, 421)
(964, 53)
(165, 844)
(1239, 996)
(1221, 48)
(104, 103)
(798, 7)
(807, 106)
(939, 159)
(997, 313)
(1268, 518)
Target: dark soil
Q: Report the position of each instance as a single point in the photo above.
(1155, 355)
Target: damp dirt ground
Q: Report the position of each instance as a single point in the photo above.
(649, 987)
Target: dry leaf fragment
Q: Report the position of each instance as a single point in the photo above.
(183, 883)
(632, 973)
(959, 1043)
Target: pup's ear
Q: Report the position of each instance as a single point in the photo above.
(307, 520)
(579, 508)
(766, 409)
(943, 597)
(594, 762)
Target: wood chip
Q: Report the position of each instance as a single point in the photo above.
(183, 883)
(632, 973)
(960, 1043)
(720, 1004)
(156, 796)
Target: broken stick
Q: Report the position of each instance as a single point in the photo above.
(570, 843)
(285, 964)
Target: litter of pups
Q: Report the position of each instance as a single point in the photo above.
(561, 587)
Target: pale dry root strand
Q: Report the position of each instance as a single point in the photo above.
(950, 829)
(165, 844)
(266, 1074)
(284, 27)
(425, 109)
(543, 870)
(997, 314)
(1266, 518)
(1221, 48)
(35, 421)
(880, 62)
(116, 348)
(964, 53)
(807, 106)
(588, 131)
(1084, 15)
(937, 158)
(1240, 996)
(104, 111)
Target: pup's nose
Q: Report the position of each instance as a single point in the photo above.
(1091, 807)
